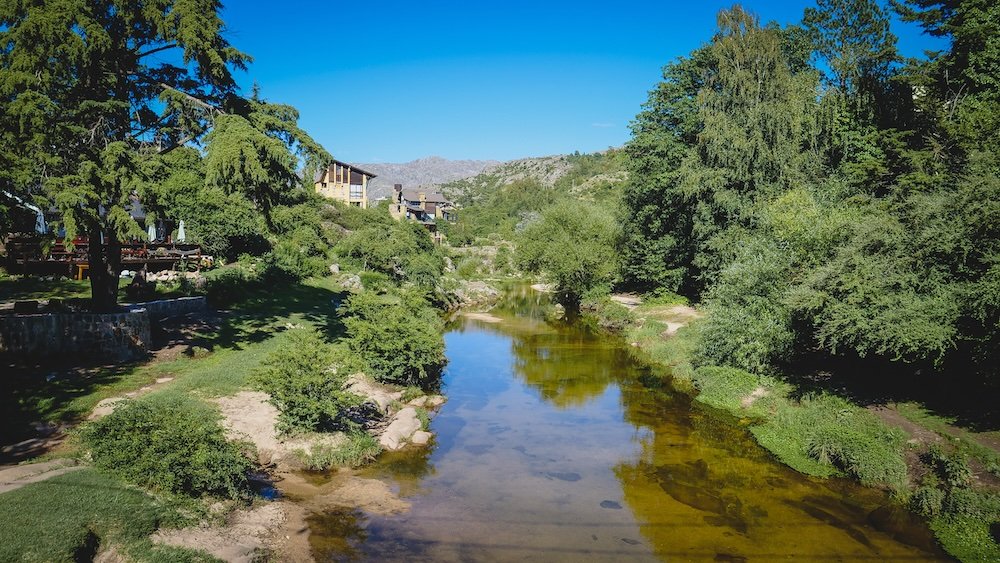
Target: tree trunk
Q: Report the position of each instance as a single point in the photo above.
(105, 260)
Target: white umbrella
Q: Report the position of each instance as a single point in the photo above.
(180, 232)
(152, 232)
(40, 222)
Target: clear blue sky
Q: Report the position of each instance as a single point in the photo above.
(386, 81)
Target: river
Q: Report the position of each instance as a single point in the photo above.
(560, 443)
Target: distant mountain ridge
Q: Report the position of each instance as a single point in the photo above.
(429, 171)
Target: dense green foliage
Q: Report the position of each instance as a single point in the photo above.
(170, 443)
(830, 205)
(397, 336)
(839, 210)
(306, 384)
(91, 110)
(573, 244)
(402, 250)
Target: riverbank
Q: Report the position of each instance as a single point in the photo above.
(945, 473)
(210, 359)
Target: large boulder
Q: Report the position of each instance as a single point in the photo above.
(401, 429)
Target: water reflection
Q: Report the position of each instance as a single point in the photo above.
(558, 444)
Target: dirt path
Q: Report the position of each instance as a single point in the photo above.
(17, 476)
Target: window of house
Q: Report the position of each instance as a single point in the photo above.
(356, 191)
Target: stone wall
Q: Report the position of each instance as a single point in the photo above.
(172, 307)
(62, 336)
(112, 337)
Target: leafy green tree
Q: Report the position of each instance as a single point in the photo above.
(573, 244)
(255, 151)
(853, 38)
(657, 217)
(85, 102)
(958, 89)
(88, 97)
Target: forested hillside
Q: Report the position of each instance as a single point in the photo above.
(820, 194)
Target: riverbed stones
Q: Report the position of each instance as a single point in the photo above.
(377, 394)
(400, 430)
(421, 437)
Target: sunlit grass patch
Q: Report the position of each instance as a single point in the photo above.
(71, 517)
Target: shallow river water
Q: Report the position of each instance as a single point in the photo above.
(559, 443)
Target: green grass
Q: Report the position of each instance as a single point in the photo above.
(248, 333)
(965, 531)
(30, 288)
(821, 436)
(359, 449)
(70, 517)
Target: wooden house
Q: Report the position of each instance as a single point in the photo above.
(344, 182)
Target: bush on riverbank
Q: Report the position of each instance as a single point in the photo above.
(610, 315)
(398, 337)
(306, 385)
(170, 443)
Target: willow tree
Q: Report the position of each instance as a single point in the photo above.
(757, 136)
(94, 90)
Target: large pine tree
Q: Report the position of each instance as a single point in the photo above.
(91, 91)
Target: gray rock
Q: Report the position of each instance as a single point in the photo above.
(400, 430)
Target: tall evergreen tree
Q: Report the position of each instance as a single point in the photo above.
(91, 90)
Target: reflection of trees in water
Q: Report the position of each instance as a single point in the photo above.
(568, 369)
(701, 487)
(338, 534)
(406, 467)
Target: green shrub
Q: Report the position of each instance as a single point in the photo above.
(170, 443)
(288, 260)
(469, 266)
(305, 385)
(376, 281)
(927, 500)
(610, 315)
(228, 285)
(359, 449)
(951, 468)
(398, 337)
(747, 325)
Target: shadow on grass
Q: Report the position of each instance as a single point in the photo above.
(32, 395)
(960, 394)
(62, 391)
(266, 311)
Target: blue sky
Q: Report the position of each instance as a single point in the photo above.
(381, 81)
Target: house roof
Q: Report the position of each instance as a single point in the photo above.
(431, 197)
(321, 172)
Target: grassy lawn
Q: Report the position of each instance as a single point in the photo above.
(73, 516)
(220, 364)
(29, 288)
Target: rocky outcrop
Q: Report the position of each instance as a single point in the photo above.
(400, 430)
